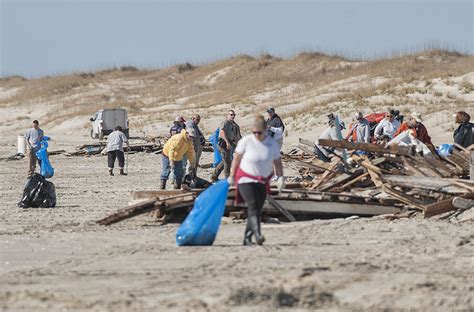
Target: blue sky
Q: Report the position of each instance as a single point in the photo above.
(55, 37)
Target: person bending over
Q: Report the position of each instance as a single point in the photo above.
(115, 142)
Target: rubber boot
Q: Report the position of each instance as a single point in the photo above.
(248, 235)
(111, 172)
(162, 184)
(122, 173)
(255, 226)
(177, 185)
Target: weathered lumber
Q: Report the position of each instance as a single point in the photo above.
(280, 208)
(165, 205)
(463, 203)
(439, 208)
(446, 186)
(324, 176)
(409, 200)
(459, 160)
(340, 179)
(355, 180)
(367, 147)
(330, 208)
(471, 170)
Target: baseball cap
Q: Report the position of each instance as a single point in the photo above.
(191, 132)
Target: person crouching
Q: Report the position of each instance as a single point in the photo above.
(115, 142)
(175, 149)
(255, 157)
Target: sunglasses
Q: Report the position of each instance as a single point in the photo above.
(257, 132)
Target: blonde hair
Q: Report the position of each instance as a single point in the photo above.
(259, 122)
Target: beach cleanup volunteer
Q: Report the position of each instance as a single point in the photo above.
(255, 157)
(33, 137)
(115, 142)
(275, 126)
(198, 141)
(464, 134)
(175, 149)
(359, 130)
(229, 136)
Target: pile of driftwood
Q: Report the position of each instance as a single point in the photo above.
(394, 182)
(431, 184)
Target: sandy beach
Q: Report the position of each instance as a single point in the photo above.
(59, 259)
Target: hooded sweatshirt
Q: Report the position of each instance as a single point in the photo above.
(177, 146)
(464, 135)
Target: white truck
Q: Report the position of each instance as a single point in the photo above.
(105, 121)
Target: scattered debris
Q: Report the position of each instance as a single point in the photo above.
(391, 182)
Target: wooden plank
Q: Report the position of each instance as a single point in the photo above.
(368, 147)
(439, 208)
(280, 208)
(320, 209)
(471, 170)
(166, 204)
(463, 203)
(323, 177)
(351, 182)
(340, 179)
(446, 186)
(375, 178)
(409, 200)
(457, 158)
(411, 168)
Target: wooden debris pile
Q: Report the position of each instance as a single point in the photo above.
(392, 183)
(428, 183)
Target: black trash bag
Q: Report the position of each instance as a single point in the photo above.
(38, 193)
(195, 182)
(46, 197)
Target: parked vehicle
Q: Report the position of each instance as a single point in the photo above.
(105, 120)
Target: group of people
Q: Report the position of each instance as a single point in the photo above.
(389, 128)
(250, 162)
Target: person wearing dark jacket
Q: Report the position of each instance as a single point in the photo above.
(275, 126)
(463, 135)
(178, 125)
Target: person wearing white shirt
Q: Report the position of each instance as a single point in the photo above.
(255, 158)
(387, 127)
(115, 142)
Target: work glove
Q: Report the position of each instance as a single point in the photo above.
(231, 180)
(281, 183)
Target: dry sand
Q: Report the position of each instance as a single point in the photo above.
(60, 260)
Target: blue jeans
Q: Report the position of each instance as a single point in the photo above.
(178, 169)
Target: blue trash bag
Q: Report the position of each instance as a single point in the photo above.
(47, 170)
(214, 139)
(445, 150)
(202, 224)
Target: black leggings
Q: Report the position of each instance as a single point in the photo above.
(111, 159)
(254, 195)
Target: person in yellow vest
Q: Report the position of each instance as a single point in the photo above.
(175, 149)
